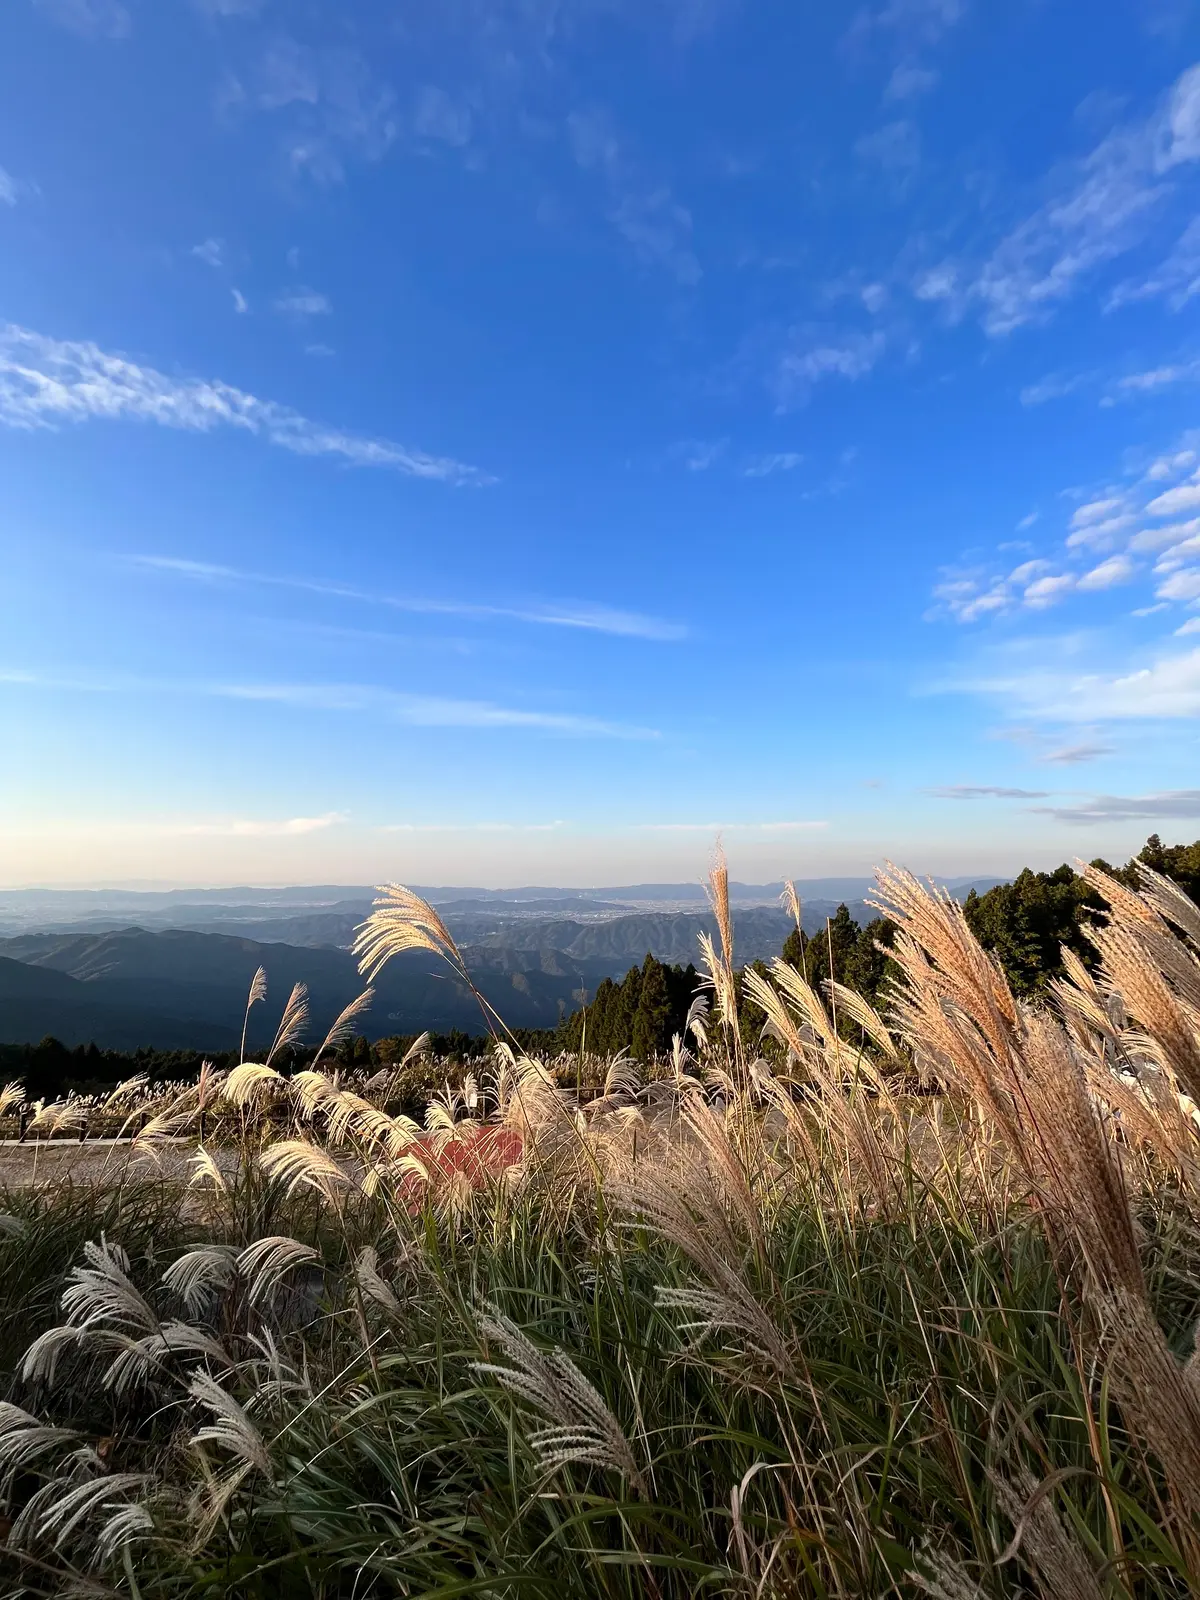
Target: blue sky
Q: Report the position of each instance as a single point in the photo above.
(511, 440)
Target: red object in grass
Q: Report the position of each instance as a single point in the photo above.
(481, 1154)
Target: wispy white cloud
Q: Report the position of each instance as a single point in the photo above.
(1094, 526)
(969, 597)
(429, 711)
(729, 827)
(586, 616)
(911, 22)
(780, 461)
(1167, 688)
(302, 303)
(1175, 280)
(188, 827)
(1186, 497)
(8, 188)
(908, 80)
(211, 252)
(1071, 755)
(984, 791)
(90, 19)
(249, 827)
(1043, 259)
(1049, 590)
(1183, 584)
(1156, 378)
(439, 117)
(1054, 386)
(333, 104)
(240, 304)
(895, 148)
(1097, 209)
(1123, 524)
(473, 827)
(811, 356)
(1168, 804)
(697, 455)
(1116, 570)
(45, 382)
(229, 8)
(643, 211)
(413, 710)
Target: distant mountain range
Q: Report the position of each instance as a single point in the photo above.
(46, 908)
(171, 968)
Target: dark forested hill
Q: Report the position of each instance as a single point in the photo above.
(35, 1001)
(175, 989)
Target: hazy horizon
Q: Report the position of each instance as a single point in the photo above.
(813, 871)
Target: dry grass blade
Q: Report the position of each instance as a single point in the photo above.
(343, 1028)
(199, 1275)
(102, 1291)
(292, 1023)
(54, 1515)
(130, 1087)
(686, 1209)
(1060, 1565)
(297, 1162)
(943, 1577)
(25, 1439)
(717, 889)
(401, 921)
(371, 1284)
(416, 1049)
(265, 1263)
(790, 901)
(206, 1170)
(258, 991)
(1169, 900)
(720, 978)
(623, 1079)
(231, 1428)
(247, 1081)
(582, 1428)
(138, 1360)
(1156, 976)
(313, 1091)
(851, 1004)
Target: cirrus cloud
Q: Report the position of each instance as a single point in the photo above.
(46, 382)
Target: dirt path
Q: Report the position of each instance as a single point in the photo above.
(51, 1161)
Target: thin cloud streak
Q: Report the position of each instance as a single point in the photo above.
(47, 382)
(725, 827)
(429, 711)
(250, 828)
(579, 615)
(472, 827)
(969, 791)
(418, 711)
(1171, 803)
(205, 828)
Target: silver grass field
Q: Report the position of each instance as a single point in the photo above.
(873, 1306)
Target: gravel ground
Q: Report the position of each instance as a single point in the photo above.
(52, 1161)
